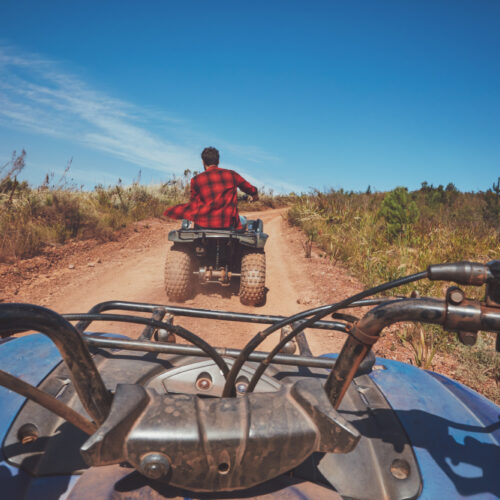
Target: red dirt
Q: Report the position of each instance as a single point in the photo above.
(74, 277)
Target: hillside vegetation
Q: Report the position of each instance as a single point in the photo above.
(56, 211)
(50, 214)
(379, 236)
(382, 236)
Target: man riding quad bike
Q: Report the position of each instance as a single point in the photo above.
(220, 244)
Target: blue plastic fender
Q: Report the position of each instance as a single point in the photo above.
(30, 358)
(454, 431)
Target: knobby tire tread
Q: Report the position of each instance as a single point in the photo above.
(178, 275)
(253, 278)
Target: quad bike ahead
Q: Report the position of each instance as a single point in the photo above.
(93, 415)
(217, 256)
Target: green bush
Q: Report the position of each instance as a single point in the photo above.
(399, 212)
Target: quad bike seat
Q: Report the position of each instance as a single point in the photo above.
(248, 225)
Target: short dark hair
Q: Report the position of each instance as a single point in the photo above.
(210, 156)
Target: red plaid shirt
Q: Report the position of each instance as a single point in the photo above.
(213, 202)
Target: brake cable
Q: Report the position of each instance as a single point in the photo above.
(319, 313)
(178, 330)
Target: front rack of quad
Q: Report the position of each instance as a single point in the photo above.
(249, 435)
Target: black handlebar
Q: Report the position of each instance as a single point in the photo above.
(465, 316)
(465, 273)
(88, 383)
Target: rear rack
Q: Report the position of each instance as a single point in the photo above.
(248, 238)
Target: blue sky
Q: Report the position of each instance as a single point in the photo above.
(296, 95)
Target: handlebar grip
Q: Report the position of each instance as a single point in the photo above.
(463, 273)
(494, 267)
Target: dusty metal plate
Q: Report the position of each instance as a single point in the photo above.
(118, 483)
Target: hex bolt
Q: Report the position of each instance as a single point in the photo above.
(241, 385)
(455, 295)
(204, 381)
(467, 338)
(400, 468)
(204, 384)
(154, 465)
(28, 433)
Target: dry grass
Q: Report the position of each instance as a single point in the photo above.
(450, 226)
(34, 218)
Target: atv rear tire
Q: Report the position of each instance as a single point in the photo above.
(178, 275)
(253, 278)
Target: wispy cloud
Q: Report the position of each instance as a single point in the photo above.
(38, 96)
(250, 153)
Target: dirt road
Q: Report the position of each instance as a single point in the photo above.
(80, 275)
(73, 277)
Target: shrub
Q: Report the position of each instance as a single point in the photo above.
(399, 212)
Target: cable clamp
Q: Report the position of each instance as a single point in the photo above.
(363, 337)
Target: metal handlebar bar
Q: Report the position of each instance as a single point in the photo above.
(88, 383)
(190, 422)
(466, 316)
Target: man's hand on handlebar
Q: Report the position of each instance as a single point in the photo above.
(247, 197)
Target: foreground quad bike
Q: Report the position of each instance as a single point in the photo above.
(217, 256)
(89, 415)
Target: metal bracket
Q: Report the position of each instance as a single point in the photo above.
(219, 444)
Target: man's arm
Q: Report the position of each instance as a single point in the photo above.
(246, 187)
(177, 211)
(184, 210)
